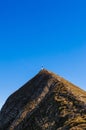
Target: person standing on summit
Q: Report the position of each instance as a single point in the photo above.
(42, 68)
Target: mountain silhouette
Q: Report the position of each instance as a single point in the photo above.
(46, 102)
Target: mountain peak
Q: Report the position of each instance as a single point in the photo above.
(46, 102)
(45, 71)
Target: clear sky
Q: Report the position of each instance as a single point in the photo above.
(33, 33)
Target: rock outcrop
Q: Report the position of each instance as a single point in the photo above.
(46, 102)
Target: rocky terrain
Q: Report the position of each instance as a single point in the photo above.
(46, 102)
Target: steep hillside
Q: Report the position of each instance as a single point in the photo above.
(46, 102)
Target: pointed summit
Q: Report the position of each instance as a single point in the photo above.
(46, 102)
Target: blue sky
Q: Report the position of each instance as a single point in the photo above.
(41, 32)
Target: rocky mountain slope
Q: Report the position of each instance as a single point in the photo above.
(46, 102)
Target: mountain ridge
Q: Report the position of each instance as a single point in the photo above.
(48, 101)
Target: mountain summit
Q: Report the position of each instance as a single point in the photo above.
(46, 102)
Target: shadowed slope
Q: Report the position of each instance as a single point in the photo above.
(47, 102)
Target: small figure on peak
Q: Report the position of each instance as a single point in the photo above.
(42, 68)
